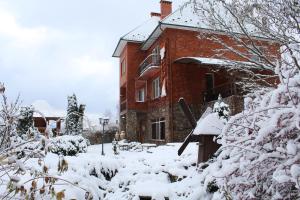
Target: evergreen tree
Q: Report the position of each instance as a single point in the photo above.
(74, 119)
(80, 118)
(72, 115)
(25, 121)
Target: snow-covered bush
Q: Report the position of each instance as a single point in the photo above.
(25, 121)
(260, 153)
(221, 108)
(68, 145)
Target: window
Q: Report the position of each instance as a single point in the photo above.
(158, 129)
(155, 88)
(123, 67)
(140, 97)
(209, 80)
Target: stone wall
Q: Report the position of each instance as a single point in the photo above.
(181, 126)
(154, 113)
(131, 125)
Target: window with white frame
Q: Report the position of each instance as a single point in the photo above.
(155, 88)
(140, 96)
(158, 129)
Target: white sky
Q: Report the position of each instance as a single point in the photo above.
(52, 48)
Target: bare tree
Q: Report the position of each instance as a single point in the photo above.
(253, 32)
(8, 121)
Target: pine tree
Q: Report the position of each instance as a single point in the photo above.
(80, 119)
(72, 115)
(25, 121)
(74, 119)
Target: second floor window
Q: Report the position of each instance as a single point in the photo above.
(123, 67)
(140, 95)
(155, 88)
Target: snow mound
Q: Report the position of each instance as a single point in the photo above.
(212, 124)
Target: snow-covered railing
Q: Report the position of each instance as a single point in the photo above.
(225, 90)
(151, 60)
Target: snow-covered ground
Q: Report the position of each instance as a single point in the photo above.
(155, 172)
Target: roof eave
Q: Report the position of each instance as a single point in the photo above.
(161, 27)
(120, 46)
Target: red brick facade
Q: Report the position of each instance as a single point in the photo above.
(179, 79)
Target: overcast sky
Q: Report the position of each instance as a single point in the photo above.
(52, 48)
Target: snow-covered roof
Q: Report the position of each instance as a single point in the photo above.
(212, 124)
(46, 109)
(137, 35)
(147, 33)
(184, 16)
(142, 32)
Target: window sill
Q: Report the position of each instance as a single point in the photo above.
(158, 140)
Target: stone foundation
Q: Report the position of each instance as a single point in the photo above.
(160, 112)
(138, 125)
(131, 125)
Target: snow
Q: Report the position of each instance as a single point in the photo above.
(142, 32)
(215, 61)
(291, 147)
(184, 16)
(212, 124)
(47, 110)
(130, 174)
(163, 89)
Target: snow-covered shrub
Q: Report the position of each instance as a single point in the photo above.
(221, 108)
(212, 187)
(25, 121)
(68, 145)
(115, 147)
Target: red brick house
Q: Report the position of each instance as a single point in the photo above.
(164, 59)
(53, 122)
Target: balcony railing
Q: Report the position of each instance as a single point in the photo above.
(150, 61)
(123, 106)
(225, 90)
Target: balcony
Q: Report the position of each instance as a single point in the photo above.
(123, 106)
(149, 66)
(225, 90)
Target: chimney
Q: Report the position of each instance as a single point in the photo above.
(165, 8)
(154, 14)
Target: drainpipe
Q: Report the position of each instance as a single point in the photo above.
(170, 79)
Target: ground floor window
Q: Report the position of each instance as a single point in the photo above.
(158, 129)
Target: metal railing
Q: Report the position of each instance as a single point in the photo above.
(123, 106)
(151, 60)
(225, 90)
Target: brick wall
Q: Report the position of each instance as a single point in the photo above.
(182, 80)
